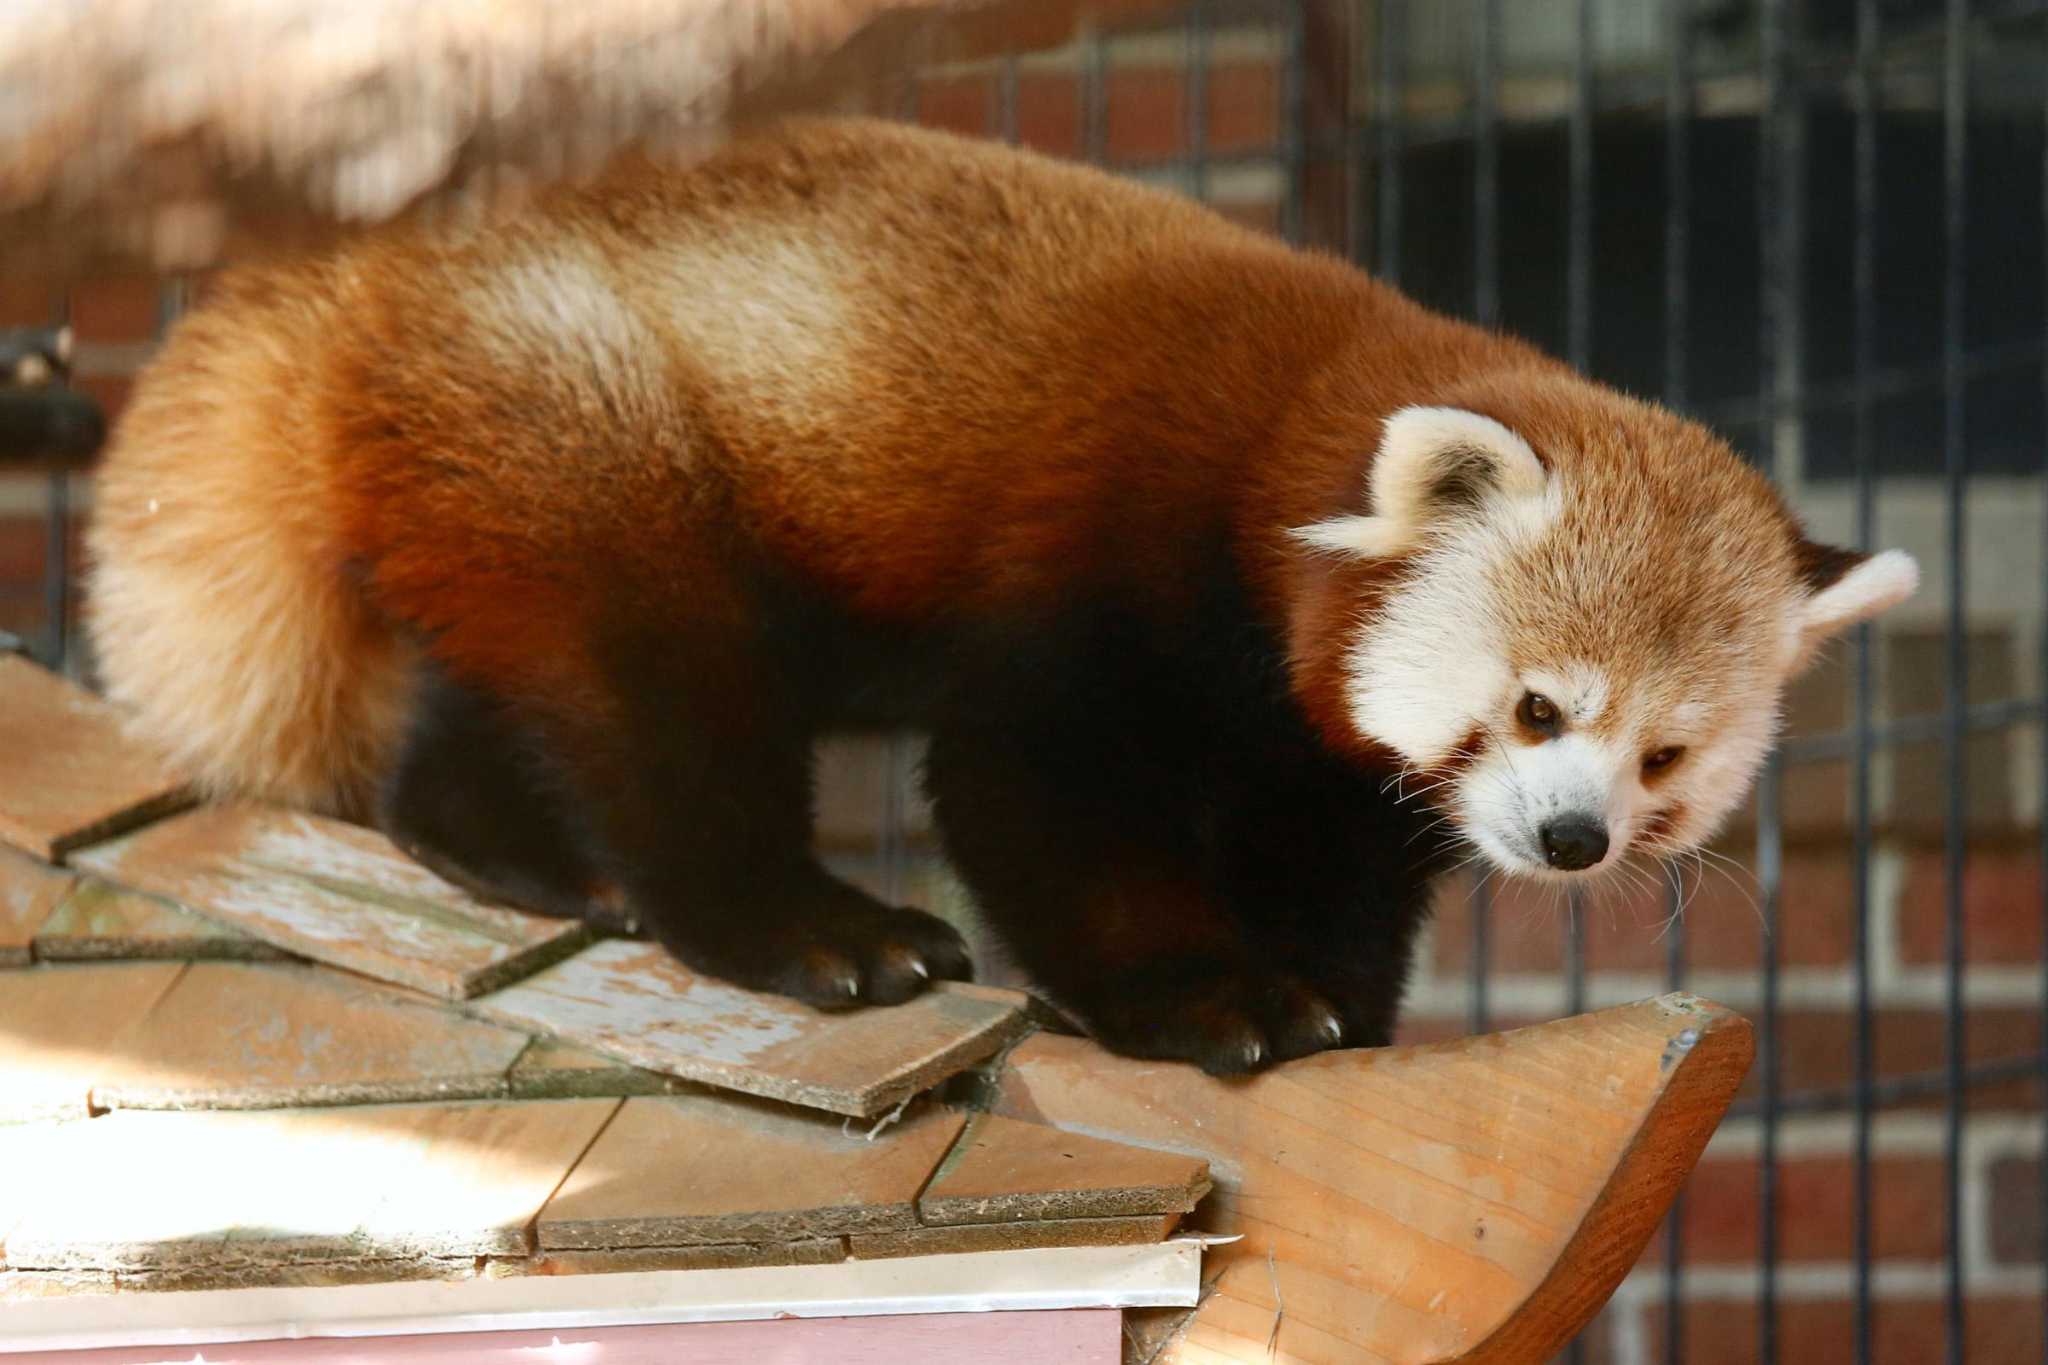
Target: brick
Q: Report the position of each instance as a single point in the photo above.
(983, 31)
(1258, 216)
(30, 891)
(334, 892)
(24, 545)
(168, 1191)
(1817, 1048)
(959, 104)
(1904, 1331)
(1243, 107)
(721, 1169)
(110, 391)
(1624, 922)
(72, 774)
(1049, 112)
(634, 1002)
(245, 1035)
(2015, 1210)
(27, 301)
(1144, 113)
(1915, 664)
(1815, 1209)
(116, 308)
(2001, 906)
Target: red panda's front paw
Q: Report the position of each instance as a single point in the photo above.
(1229, 1023)
(880, 959)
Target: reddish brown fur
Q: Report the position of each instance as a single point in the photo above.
(963, 459)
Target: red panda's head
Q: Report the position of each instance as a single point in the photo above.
(1583, 616)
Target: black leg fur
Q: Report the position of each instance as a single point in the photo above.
(1171, 855)
(697, 790)
(466, 800)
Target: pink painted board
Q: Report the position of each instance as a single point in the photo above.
(1070, 1336)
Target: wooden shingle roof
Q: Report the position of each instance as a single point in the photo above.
(242, 1046)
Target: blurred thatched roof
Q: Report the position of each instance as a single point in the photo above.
(147, 125)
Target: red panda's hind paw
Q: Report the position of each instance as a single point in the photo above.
(1227, 1022)
(879, 959)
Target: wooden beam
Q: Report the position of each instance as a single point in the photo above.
(1472, 1201)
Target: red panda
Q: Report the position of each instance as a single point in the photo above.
(1238, 594)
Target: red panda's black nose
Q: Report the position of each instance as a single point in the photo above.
(1573, 842)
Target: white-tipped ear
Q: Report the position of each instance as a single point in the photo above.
(1432, 463)
(1843, 589)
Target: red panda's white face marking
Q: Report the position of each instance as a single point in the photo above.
(1584, 651)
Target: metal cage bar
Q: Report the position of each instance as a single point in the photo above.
(1955, 68)
(1863, 269)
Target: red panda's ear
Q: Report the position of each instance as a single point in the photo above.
(1433, 464)
(1844, 587)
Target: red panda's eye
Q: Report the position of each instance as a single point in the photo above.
(1662, 759)
(1538, 713)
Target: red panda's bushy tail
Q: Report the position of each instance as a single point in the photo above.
(222, 606)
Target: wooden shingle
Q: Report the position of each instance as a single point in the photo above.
(171, 1191)
(59, 1024)
(30, 892)
(68, 774)
(703, 1169)
(247, 1035)
(1004, 1171)
(98, 921)
(1135, 1230)
(334, 892)
(633, 1001)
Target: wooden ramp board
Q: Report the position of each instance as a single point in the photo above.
(246, 1035)
(68, 774)
(1474, 1201)
(633, 1001)
(57, 1030)
(1003, 1171)
(97, 921)
(168, 1191)
(334, 892)
(30, 892)
(716, 1168)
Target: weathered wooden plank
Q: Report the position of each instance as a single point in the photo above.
(57, 1029)
(181, 1191)
(1131, 1230)
(1468, 1201)
(244, 1035)
(1003, 1171)
(633, 1001)
(719, 1168)
(713, 1256)
(97, 921)
(68, 773)
(334, 892)
(552, 1070)
(30, 892)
